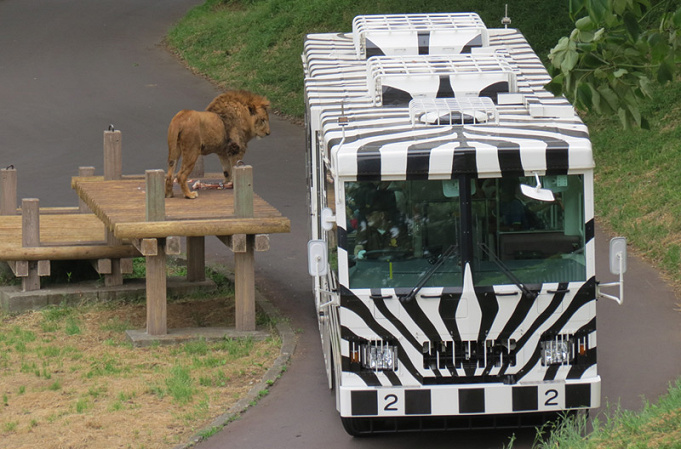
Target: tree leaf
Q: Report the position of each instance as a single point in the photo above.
(585, 24)
(677, 18)
(624, 120)
(631, 25)
(665, 72)
(569, 61)
(598, 9)
(576, 6)
(583, 96)
(555, 86)
(620, 72)
(609, 95)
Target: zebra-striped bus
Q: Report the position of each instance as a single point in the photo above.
(452, 227)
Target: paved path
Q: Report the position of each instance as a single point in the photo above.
(69, 68)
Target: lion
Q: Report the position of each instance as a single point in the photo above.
(225, 127)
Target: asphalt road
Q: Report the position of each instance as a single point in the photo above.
(69, 68)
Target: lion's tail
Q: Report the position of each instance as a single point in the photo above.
(174, 150)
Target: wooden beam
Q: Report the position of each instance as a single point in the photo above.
(236, 243)
(126, 265)
(101, 266)
(146, 247)
(173, 245)
(71, 252)
(262, 242)
(19, 267)
(197, 228)
(44, 268)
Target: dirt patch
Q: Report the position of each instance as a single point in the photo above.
(70, 379)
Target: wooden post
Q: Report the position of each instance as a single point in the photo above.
(8, 191)
(30, 236)
(244, 262)
(113, 170)
(196, 259)
(113, 158)
(157, 323)
(84, 171)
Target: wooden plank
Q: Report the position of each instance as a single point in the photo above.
(8, 191)
(156, 294)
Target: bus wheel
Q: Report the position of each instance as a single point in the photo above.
(357, 427)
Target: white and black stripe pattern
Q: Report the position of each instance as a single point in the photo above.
(535, 132)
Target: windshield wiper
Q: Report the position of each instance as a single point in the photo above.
(428, 274)
(504, 269)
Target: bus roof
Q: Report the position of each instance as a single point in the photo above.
(419, 112)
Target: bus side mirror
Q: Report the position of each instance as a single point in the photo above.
(618, 266)
(317, 257)
(618, 255)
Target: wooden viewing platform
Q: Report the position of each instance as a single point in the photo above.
(137, 209)
(31, 237)
(121, 205)
(130, 215)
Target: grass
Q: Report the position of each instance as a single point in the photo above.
(256, 45)
(72, 367)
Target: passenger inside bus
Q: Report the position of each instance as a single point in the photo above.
(379, 236)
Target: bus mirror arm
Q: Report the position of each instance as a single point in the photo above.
(328, 219)
(618, 266)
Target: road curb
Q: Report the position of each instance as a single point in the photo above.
(288, 346)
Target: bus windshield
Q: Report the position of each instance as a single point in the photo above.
(398, 230)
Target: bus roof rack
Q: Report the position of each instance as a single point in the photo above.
(452, 33)
(453, 111)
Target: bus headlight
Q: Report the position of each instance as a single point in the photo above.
(379, 355)
(557, 351)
